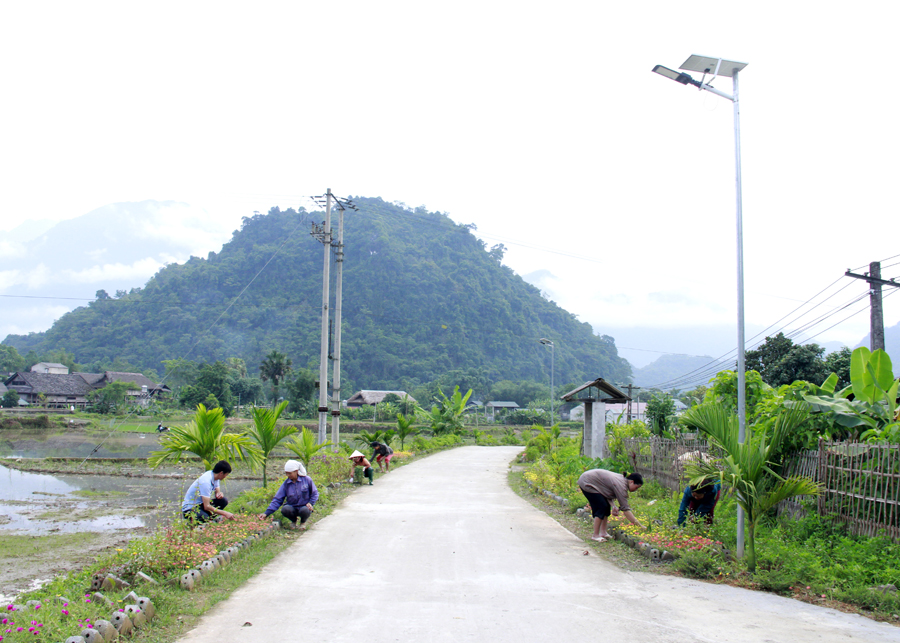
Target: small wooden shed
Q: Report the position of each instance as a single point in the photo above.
(595, 395)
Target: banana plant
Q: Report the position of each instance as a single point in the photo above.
(874, 405)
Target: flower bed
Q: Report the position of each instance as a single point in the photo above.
(664, 538)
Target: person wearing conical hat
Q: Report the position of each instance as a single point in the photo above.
(357, 459)
(295, 497)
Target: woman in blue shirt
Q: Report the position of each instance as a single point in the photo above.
(699, 501)
(296, 496)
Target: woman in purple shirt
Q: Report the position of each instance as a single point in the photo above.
(296, 496)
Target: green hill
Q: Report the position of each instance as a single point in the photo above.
(422, 295)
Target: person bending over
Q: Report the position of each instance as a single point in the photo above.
(383, 454)
(601, 488)
(357, 459)
(699, 501)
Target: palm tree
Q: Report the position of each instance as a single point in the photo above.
(304, 446)
(266, 434)
(275, 367)
(205, 437)
(748, 467)
(405, 429)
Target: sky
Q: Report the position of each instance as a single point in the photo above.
(612, 188)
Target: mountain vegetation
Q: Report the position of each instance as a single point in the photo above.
(422, 296)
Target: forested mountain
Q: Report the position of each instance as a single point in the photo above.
(422, 296)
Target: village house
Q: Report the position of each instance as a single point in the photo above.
(66, 390)
(371, 398)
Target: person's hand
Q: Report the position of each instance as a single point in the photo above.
(309, 506)
(615, 511)
(228, 515)
(262, 516)
(219, 494)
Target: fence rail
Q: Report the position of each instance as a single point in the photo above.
(860, 482)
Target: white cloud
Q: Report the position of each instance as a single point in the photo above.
(138, 272)
(11, 250)
(9, 279)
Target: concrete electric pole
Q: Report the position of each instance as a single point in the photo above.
(325, 235)
(876, 314)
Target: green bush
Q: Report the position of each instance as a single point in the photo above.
(774, 580)
(697, 564)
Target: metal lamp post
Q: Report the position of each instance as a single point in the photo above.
(721, 67)
(547, 342)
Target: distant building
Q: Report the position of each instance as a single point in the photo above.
(50, 367)
(493, 406)
(371, 398)
(63, 390)
(59, 390)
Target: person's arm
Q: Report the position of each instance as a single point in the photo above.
(634, 521)
(277, 501)
(682, 510)
(208, 508)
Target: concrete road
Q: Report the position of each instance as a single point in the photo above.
(443, 550)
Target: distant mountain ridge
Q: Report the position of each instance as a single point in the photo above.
(891, 344)
(51, 268)
(422, 295)
(675, 369)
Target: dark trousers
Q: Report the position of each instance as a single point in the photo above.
(197, 514)
(292, 513)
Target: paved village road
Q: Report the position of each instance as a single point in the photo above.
(443, 550)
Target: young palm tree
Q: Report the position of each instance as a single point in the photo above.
(747, 467)
(266, 434)
(304, 445)
(205, 437)
(405, 428)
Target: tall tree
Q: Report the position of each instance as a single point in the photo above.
(275, 368)
(764, 358)
(10, 360)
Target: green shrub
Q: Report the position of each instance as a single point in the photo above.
(697, 564)
(774, 580)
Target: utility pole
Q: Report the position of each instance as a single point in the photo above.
(324, 234)
(631, 387)
(876, 313)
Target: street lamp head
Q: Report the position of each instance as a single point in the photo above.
(677, 76)
(714, 66)
(545, 341)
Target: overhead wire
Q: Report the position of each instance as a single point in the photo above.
(697, 374)
(303, 219)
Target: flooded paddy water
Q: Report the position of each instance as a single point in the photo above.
(58, 512)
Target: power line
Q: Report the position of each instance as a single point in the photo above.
(715, 366)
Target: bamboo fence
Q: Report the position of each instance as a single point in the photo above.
(860, 482)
